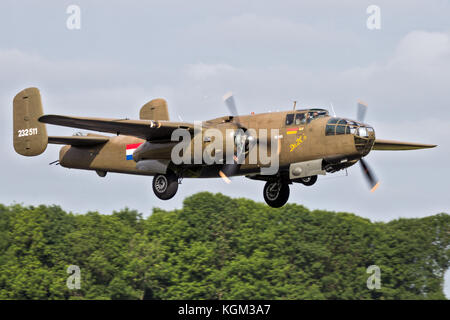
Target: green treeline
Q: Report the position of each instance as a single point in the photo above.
(216, 247)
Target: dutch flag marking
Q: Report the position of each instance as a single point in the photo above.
(130, 149)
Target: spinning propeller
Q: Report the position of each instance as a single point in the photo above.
(368, 173)
(230, 169)
(244, 141)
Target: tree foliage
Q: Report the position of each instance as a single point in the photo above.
(216, 247)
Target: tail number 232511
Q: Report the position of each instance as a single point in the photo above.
(27, 132)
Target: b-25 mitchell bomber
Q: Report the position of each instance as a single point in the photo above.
(302, 144)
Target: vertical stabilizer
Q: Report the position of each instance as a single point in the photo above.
(154, 110)
(29, 135)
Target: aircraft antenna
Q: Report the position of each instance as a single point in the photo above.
(332, 108)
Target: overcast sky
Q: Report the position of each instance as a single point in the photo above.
(269, 54)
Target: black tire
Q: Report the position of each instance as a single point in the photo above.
(276, 193)
(309, 181)
(165, 186)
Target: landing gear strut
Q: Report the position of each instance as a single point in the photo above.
(276, 193)
(165, 186)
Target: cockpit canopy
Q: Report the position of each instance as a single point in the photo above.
(300, 117)
(336, 126)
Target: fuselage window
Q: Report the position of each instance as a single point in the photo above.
(289, 119)
(329, 130)
(300, 118)
(340, 129)
(341, 126)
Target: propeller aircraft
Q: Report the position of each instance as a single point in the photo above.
(302, 145)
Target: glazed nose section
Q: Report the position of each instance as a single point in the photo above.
(364, 139)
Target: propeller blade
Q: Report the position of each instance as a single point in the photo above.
(361, 111)
(229, 170)
(232, 169)
(368, 173)
(231, 105)
(224, 177)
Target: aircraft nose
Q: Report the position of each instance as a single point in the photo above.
(364, 139)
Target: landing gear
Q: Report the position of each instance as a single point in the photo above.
(308, 181)
(165, 185)
(276, 193)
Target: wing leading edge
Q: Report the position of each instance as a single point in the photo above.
(78, 141)
(145, 129)
(398, 145)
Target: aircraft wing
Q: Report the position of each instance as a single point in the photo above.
(145, 129)
(398, 145)
(78, 141)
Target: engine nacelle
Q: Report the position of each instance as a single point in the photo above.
(153, 166)
(151, 150)
(305, 169)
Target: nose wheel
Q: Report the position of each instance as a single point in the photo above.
(165, 186)
(276, 193)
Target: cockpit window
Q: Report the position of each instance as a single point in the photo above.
(338, 126)
(321, 113)
(312, 115)
(300, 118)
(289, 119)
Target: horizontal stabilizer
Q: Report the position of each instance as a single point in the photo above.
(78, 141)
(398, 145)
(145, 129)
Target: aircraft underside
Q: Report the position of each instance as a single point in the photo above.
(276, 189)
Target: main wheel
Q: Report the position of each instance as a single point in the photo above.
(309, 181)
(276, 193)
(165, 186)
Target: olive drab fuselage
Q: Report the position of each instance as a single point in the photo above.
(298, 142)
